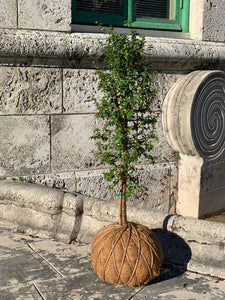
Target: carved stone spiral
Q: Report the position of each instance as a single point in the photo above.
(208, 117)
(194, 115)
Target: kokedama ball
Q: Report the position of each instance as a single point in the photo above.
(126, 255)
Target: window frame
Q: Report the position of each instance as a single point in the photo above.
(179, 22)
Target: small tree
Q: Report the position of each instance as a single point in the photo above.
(127, 111)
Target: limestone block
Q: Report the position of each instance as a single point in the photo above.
(45, 15)
(65, 181)
(26, 146)
(165, 81)
(8, 14)
(71, 143)
(214, 21)
(91, 183)
(189, 186)
(207, 21)
(37, 197)
(31, 44)
(73, 204)
(157, 190)
(161, 151)
(29, 220)
(69, 224)
(212, 187)
(193, 122)
(79, 86)
(40, 210)
(30, 90)
(89, 227)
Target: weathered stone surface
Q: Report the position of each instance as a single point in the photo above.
(207, 20)
(33, 44)
(38, 197)
(26, 146)
(158, 192)
(79, 50)
(30, 90)
(32, 268)
(89, 227)
(45, 15)
(213, 21)
(193, 122)
(8, 14)
(28, 220)
(40, 210)
(79, 86)
(65, 181)
(190, 242)
(71, 144)
(165, 81)
(212, 187)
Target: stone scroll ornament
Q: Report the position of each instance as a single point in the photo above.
(194, 115)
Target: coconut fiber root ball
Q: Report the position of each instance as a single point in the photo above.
(126, 255)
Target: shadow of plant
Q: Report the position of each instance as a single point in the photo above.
(176, 253)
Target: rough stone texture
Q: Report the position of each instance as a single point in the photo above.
(33, 196)
(193, 122)
(213, 21)
(65, 181)
(212, 187)
(185, 241)
(71, 144)
(32, 268)
(158, 191)
(32, 44)
(165, 81)
(8, 14)
(30, 91)
(26, 147)
(196, 19)
(79, 86)
(44, 15)
(207, 20)
(40, 210)
(189, 186)
(76, 49)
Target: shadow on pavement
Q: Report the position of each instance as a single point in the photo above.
(176, 252)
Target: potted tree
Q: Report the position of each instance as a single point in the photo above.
(125, 253)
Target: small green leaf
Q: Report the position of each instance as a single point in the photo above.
(23, 206)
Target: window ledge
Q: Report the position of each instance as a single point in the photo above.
(42, 48)
(80, 28)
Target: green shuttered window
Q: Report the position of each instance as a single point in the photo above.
(152, 14)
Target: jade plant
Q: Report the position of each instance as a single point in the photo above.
(126, 110)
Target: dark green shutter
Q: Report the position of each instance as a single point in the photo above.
(113, 7)
(149, 14)
(152, 9)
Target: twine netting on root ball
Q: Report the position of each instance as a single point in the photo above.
(126, 255)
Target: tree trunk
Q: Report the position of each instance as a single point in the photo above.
(122, 202)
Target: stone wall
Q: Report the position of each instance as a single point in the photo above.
(47, 81)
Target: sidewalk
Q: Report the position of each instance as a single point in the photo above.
(35, 268)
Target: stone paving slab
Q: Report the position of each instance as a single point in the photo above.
(34, 268)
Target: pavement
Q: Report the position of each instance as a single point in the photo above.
(37, 268)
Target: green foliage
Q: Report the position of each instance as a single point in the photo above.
(126, 107)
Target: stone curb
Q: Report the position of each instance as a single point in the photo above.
(197, 245)
(55, 45)
(40, 210)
